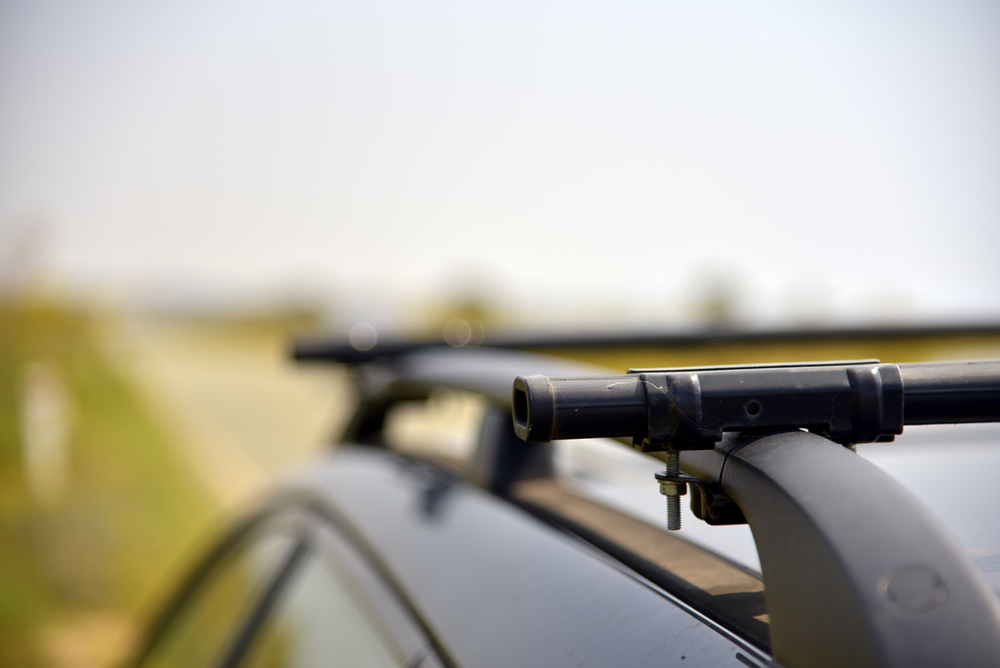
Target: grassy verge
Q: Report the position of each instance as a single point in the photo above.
(81, 564)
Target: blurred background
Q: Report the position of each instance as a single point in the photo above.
(184, 186)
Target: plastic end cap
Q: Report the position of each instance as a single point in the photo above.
(533, 408)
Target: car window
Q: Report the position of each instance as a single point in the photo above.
(322, 620)
(201, 628)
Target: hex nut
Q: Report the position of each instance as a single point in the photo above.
(673, 488)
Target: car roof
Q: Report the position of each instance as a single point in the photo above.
(497, 586)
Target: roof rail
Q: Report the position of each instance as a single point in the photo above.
(341, 351)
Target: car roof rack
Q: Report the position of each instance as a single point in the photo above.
(856, 570)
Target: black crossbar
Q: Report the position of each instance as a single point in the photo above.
(689, 409)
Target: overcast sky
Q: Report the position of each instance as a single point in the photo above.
(841, 159)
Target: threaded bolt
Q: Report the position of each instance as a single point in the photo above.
(673, 491)
(673, 512)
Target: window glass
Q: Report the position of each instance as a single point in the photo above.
(203, 627)
(321, 620)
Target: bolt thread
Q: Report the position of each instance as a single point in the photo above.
(673, 513)
(673, 464)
